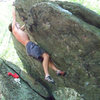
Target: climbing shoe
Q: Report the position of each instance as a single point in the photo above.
(61, 73)
(49, 79)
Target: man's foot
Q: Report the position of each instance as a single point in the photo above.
(49, 79)
(61, 73)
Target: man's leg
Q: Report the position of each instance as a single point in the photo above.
(45, 63)
(46, 66)
(52, 66)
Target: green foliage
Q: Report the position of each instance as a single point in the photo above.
(91, 4)
(7, 50)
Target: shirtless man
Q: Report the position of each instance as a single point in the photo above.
(33, 49)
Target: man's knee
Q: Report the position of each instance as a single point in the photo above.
(45, 55)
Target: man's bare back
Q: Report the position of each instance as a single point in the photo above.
(20, 35)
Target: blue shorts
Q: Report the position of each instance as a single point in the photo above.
(34, 50)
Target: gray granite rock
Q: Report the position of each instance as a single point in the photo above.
(11, 90)
(73, 44)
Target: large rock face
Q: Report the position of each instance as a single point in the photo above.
(10, 90)
(72, 42)
(29, 89)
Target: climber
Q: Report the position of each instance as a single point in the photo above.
(33, 49)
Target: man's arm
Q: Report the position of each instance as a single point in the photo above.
(14, 19)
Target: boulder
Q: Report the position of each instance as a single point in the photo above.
(11, 90)
(71, 41)
(28, 89)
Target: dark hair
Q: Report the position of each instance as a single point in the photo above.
(10, 27)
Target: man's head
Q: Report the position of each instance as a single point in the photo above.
(10, 27)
